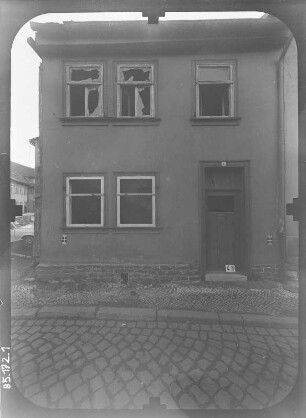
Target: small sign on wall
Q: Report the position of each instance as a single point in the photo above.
(230, 268)
(64, 239)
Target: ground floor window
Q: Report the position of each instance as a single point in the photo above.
(136, 204)
(85, 201)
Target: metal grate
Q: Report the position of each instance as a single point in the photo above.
(124, 278)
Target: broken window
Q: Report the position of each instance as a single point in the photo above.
(136, 201)
(214, 90)
(84, 90)
(85, 201)
(135, 94)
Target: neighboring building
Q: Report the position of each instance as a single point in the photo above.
(22, 186)
(163, 148)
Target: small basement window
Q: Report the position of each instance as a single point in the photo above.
(135, 90)
(85, 201)
(214, 90)
(84, 90)
(136, 206)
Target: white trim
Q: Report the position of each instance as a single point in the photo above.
(230, 82)
(141, 84)
(69, 195)
(88, 84)
(153, 194)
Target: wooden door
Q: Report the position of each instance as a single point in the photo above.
(223, 230)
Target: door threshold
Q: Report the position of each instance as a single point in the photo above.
(225, 277)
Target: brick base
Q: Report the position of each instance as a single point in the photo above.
(112, 272)
(139, 272)
(265, 271)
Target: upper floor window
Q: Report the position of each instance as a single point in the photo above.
(135, 90)
(215, 90)
(85, 201)
(84, 90)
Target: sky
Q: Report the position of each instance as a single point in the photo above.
(24, 90)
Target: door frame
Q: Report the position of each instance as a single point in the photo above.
(245, 165)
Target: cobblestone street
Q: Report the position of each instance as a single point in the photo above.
(79, 363)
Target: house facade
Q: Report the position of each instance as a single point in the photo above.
(22, 186)
(162, 151)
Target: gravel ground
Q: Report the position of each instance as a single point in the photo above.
(271, 298)
(196, 296)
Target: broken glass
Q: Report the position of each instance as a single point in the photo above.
(135, 74)
(93, 101)
(82, 74)
(143, 103)
(135, 101)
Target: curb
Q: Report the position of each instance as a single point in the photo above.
(156, 315)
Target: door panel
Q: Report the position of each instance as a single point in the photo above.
(223, 230)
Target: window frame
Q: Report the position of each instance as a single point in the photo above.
(68, 195)
(100, 84)
(232, 83)
(152, 84)
(153, 194)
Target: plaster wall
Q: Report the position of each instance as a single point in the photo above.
(173, 150)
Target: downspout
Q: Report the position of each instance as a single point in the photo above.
(281, 230)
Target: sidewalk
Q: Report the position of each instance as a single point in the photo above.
(157, 315)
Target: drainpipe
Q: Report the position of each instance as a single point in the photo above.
(281, 230)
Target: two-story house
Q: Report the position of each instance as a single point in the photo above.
(162, 151)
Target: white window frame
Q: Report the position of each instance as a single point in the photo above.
(150, 84)
(231, 83)
(153, 194)
(88, 86)
(69, 195)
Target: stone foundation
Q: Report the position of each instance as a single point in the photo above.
(265, 271)
(139, 272)
(113, 272)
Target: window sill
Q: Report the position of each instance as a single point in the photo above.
(85, 230)
(104, 121)
(134, 121)
(216, 120)
(135, 229)
(80, 120)
(103, 230)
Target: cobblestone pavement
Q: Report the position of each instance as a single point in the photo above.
(60, 363)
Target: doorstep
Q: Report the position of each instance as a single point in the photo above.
(225, 277)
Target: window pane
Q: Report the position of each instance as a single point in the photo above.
(136, 210)
(85, 210)
(135, 185)
(214, 100)
(135, 74)
(143, 102)
(127, 101)
(82, 74)
(85, 186)
(213, 74)
(77, 101)
(93, 101)
(221, 203)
